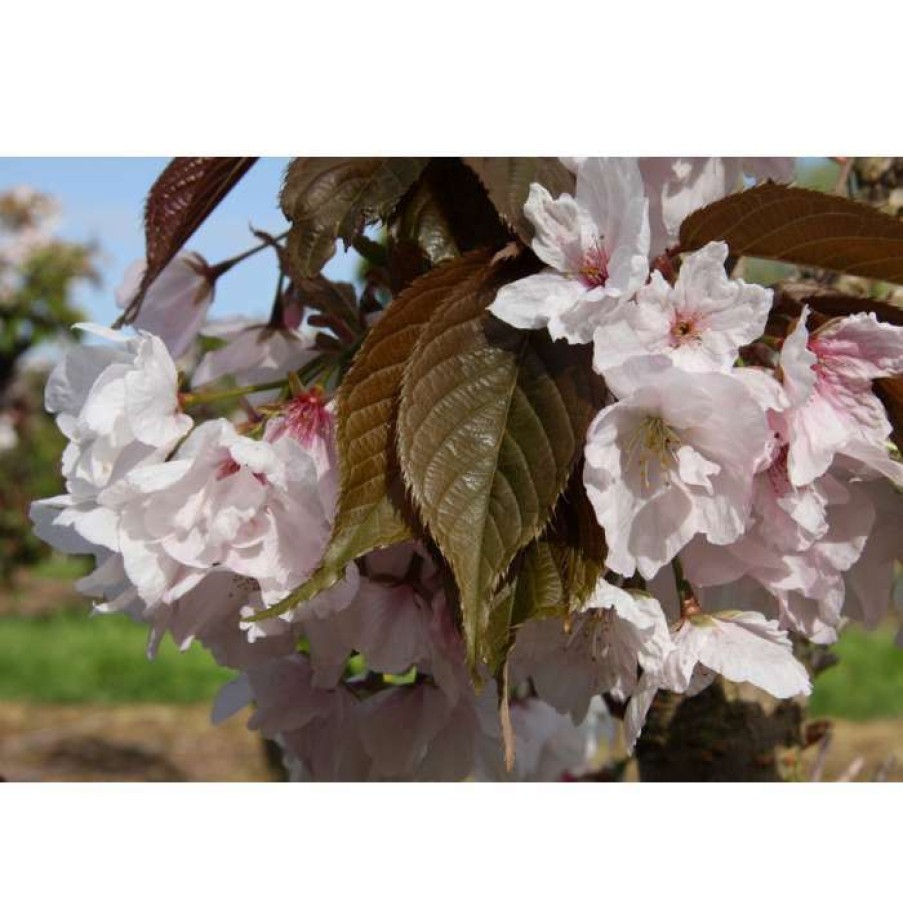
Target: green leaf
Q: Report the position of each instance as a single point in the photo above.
(369, 513)
(327, 198)
(490, 423)
(802, 227)
(553, 576)
(507, 181)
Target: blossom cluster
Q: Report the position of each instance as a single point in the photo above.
(744, 484)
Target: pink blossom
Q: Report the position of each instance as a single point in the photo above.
(828, 376)
(595, 246)
(598, 652)
(799, 543)
(224, 499)
(741, 646)
(118, 405)
(309, 419)
(675, 458)
(254, 352)
(176, 302)
(700, 323)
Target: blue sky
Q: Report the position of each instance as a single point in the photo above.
(102, 200)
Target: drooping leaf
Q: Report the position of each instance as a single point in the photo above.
(369, 513)
(507, 181)
(327, 198)
(184, 195)
(490, 423)
(554, 575)
(446, 213)
(422, 221)
(803, 227)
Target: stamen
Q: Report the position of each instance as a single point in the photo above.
(304, 418)
(653, 439)
(683, 329)
(594, 269)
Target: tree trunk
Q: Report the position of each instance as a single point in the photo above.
(711, 737)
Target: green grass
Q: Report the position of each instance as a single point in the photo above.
(69, 657)
(62, 567)
(868, 681)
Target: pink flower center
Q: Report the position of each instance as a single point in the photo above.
(304, 418)
(778, 474)
(230, 466)
(684, 329)
(594, 268)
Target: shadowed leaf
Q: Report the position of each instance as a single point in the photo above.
(184, 195)
(328, 198)
(791, 296)
(507, 181)
(890, 391)
(490, 423)
(446, 213)
(554, 574)
(803, 227)
(369, 514)
(338, 299)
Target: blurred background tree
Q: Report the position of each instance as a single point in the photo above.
(38, 276)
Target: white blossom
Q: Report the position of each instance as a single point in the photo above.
(254, 352)
(595, 247)
(675, 458)
(741, 646)
(176, 302)
(828, 377)
(700, 323)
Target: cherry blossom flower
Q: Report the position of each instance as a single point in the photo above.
(700, 322)
(309, 419)
(595, 246)
(597, 653)
(254, 352)
(674, 458)
(176, 302)
(678, 186)
(741, 646)
(870, 580)
(317, 728)
(117, 404)
(549, 746)
(828, 377)
(224, 499)
(799, 543)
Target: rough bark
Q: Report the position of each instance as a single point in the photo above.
(715, 737)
